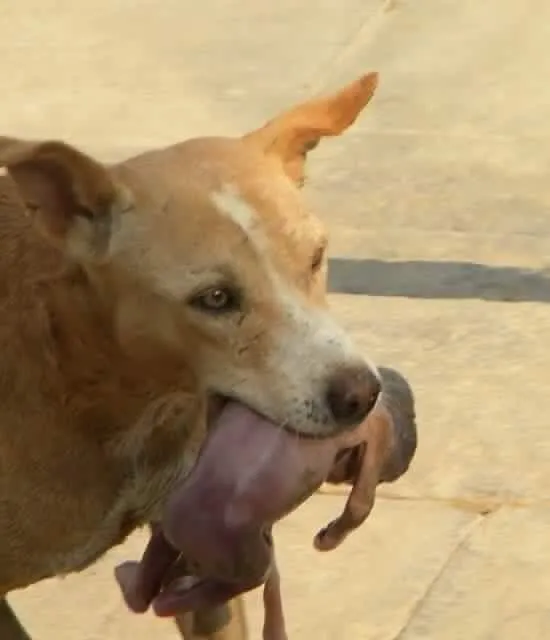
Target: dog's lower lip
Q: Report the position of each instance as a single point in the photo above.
(306, 436)
(217, 401)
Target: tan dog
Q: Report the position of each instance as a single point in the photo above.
(133, 298)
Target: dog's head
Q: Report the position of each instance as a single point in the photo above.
(208, 247)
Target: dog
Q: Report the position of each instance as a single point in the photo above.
(134, 299)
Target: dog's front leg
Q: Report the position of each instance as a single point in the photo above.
(10, 627)
(226, 622)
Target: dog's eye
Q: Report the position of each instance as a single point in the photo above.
(217, 300)
(317, 259)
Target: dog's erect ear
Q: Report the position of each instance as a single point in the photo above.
(292, 134)
(71, 197)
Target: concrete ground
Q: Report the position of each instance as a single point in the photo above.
(438, 202)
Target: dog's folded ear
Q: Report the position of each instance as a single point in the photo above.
(292, 134)
(70, 196)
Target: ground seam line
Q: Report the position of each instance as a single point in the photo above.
(368, 28)
(432, 584)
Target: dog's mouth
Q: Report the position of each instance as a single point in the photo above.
(214, 540)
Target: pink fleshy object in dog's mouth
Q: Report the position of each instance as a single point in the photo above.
(250, 473)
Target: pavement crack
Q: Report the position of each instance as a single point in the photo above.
(459, 545)
(368, 28)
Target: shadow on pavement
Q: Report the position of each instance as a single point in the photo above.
(426, 279)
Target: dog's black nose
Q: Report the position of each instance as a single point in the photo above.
(351, 394)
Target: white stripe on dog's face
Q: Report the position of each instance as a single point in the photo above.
(230, 204)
